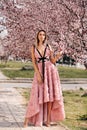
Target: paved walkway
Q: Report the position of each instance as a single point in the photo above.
(12, 111)
(11, 108)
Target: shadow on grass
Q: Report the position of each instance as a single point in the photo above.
(81, 128)
(83, 117)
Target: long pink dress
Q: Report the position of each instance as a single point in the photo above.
(48, 91)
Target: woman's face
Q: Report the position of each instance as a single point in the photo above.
(41, 36)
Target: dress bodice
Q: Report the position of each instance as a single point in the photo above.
(46, 55)
(42, 59)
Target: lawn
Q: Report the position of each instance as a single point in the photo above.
(15, 69)
(14, 64)
(72, 72)
(75, 108)
(18, 73)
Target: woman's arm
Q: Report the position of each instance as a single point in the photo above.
(39, 77)
(56, 57)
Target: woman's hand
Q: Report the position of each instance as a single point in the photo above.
(59, 54)
(56, 57)
(40, 79)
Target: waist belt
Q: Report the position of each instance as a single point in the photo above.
(43, 60)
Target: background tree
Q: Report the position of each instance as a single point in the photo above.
(65, 22)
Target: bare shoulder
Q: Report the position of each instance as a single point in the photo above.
(32, 48)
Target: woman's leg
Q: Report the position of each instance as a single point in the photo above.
(26, 122)
(49, 105)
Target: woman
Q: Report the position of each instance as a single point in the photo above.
(46, 101)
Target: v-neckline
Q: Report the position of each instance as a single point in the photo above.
(43, 51)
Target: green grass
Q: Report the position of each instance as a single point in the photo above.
(12, 69)
(75, 108)
(14, 64)
(69, 72)
(18, 73)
